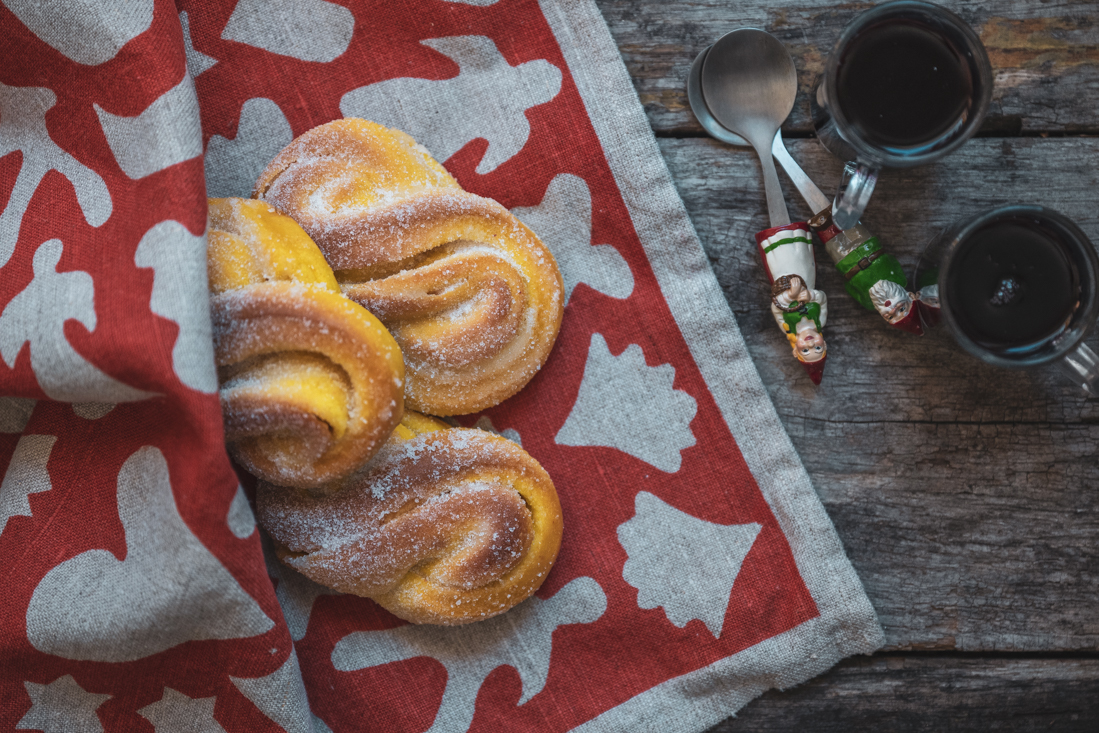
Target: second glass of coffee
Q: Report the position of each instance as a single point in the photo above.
(907, 83)
(1018, 287)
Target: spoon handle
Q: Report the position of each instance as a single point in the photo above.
(813, 196)
(776, 204)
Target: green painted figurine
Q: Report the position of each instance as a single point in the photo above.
(871, 275)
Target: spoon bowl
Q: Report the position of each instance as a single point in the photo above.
(749, 82)
(747, 85)
(702, 112)
(809, 191)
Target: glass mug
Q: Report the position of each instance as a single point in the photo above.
(907, 83)
(1017, 287)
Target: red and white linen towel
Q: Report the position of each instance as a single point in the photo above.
(698, 568)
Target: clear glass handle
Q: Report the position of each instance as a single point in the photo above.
(1082, 366)
(853, 198)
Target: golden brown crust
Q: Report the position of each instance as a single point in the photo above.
(310, 383)
(352, 180)
(443, 527)
(470, 293)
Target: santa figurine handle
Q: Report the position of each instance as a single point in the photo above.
(873, 277)
(800, 311)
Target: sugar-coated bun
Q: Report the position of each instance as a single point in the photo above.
(470, 293)
(311, 383)
(444, 526)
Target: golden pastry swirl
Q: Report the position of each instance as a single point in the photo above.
(443, 526)
(469, 292)
(310, 383)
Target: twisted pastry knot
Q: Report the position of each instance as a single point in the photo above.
(310, 383)
(444, 526)
(471, 294)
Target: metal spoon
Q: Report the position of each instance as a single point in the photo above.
(813, 196)
(748, 84)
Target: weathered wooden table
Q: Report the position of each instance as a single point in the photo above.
(967, 497)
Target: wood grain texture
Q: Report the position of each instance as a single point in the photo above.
(916, 694)
(1045, 54)
(967, 497)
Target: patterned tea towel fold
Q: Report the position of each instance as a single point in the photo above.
(698, 568)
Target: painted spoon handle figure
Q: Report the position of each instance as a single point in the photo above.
(747, 85)
(873, 277)
(799, 309)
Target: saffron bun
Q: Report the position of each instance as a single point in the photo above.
(311, 384)
(470, 293)
(444, 526)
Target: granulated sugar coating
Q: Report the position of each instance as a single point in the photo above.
(471, 294)
(310, 383)
(445, 527)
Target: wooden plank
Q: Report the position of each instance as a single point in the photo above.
(972, 537)
(966, 496)
(914, 693)
(1045, 55)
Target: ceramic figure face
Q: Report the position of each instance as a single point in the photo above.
(894, 312)
(809, 345)
(892, 301)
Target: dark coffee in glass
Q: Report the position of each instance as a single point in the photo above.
(1014, 285)
(1018, 288)
(903, 84)
(906, 83)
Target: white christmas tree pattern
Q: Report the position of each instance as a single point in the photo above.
(241, 520)
(178, 261)
(37, 316)
(165, 133)
(62, 706)
(445, 115)
(280, 696)
(26, 475)
(93, 410)
(626, 404)
(521, 638)
(174, 712)
(197, 62)
(308, 30)
(23, 128)
(233, 165)
(168, 590)
(88, 32)
(684, 564)
(563, 222)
